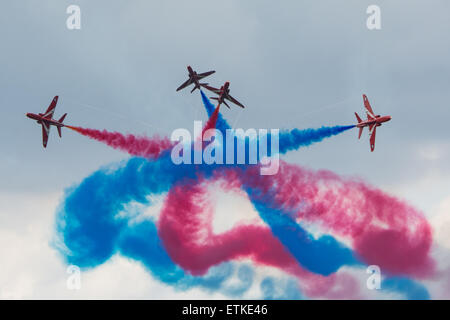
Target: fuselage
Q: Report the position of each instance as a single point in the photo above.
(378, 120)
(224, 91)
(39, 119)
(194, 77)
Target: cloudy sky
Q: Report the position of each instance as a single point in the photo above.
(294, 64)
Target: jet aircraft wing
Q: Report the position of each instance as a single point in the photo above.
(51, 108)
(205, 74)
(368, 107)
(45, 133)
(372, 138)
(235, 101)
(215, 90)
(185, 84)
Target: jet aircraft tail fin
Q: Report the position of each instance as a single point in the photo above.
(61, 121)
(360, 132)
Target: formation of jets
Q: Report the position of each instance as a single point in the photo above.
(373, 121)
(223, 93)
(46, 119)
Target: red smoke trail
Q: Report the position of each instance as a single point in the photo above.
(138, 146)
(211, 124)
(185, 227)
(382, 229)
(134, 145)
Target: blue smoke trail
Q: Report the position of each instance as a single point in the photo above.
(289, 139)
(92, 232)
(221, 123)
(141, 243)
(289, 291)
(324, 255)
(296, 138)
(410, 288)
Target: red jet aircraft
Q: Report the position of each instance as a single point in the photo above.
(46, 120)
(373, 121)
(194, 77)
(224, 93)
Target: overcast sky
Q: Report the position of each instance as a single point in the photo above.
(294, 64)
